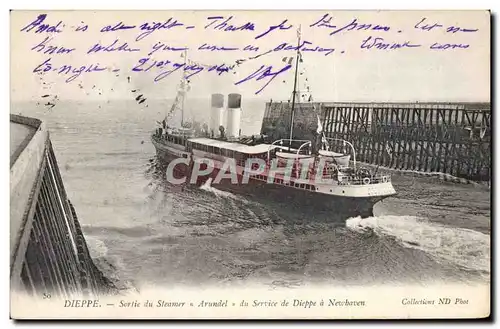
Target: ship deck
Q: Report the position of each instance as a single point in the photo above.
(234, 146)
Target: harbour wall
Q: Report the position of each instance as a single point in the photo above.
(49, 256)
(449, 138)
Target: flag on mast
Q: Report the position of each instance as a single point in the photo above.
(319, 130)
(388, 149)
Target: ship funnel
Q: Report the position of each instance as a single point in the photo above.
(233, 115)
(217, 114)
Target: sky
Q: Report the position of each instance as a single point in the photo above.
(347, 64)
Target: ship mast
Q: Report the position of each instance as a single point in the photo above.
(292, 115)
(184, 87)
(184, 92)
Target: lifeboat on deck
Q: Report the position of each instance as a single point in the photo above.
(338, 158)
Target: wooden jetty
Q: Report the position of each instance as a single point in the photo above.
(451, 138)
(49, 255)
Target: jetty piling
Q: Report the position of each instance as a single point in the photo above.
(451, 138)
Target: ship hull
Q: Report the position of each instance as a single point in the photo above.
(292, 198)
(302, 200)
(168, 153)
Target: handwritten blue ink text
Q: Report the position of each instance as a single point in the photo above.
(215, 48)
(149, 28)
(280, 26)
(424, 26)
(37, 23)
(147, 64)
(264, 72)
(445, 46)
(45, 48)
(113, 47)
(326, 19)
(225, 26)
(302, 47)
(160, 46)
(117, 27)
(74, 72)
(380, 43)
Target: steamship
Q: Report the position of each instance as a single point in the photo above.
(320, 175)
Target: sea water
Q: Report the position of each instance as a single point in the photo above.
(154, 234)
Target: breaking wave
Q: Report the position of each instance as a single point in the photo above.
(110, 266)
(467, 248)
(97, 248)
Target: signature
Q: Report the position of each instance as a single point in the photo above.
(264, 72)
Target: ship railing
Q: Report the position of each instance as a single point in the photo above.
(345, 143)
(173, 138)
(348, 180)
(304, 145)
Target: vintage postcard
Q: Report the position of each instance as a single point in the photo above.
(250, 164)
